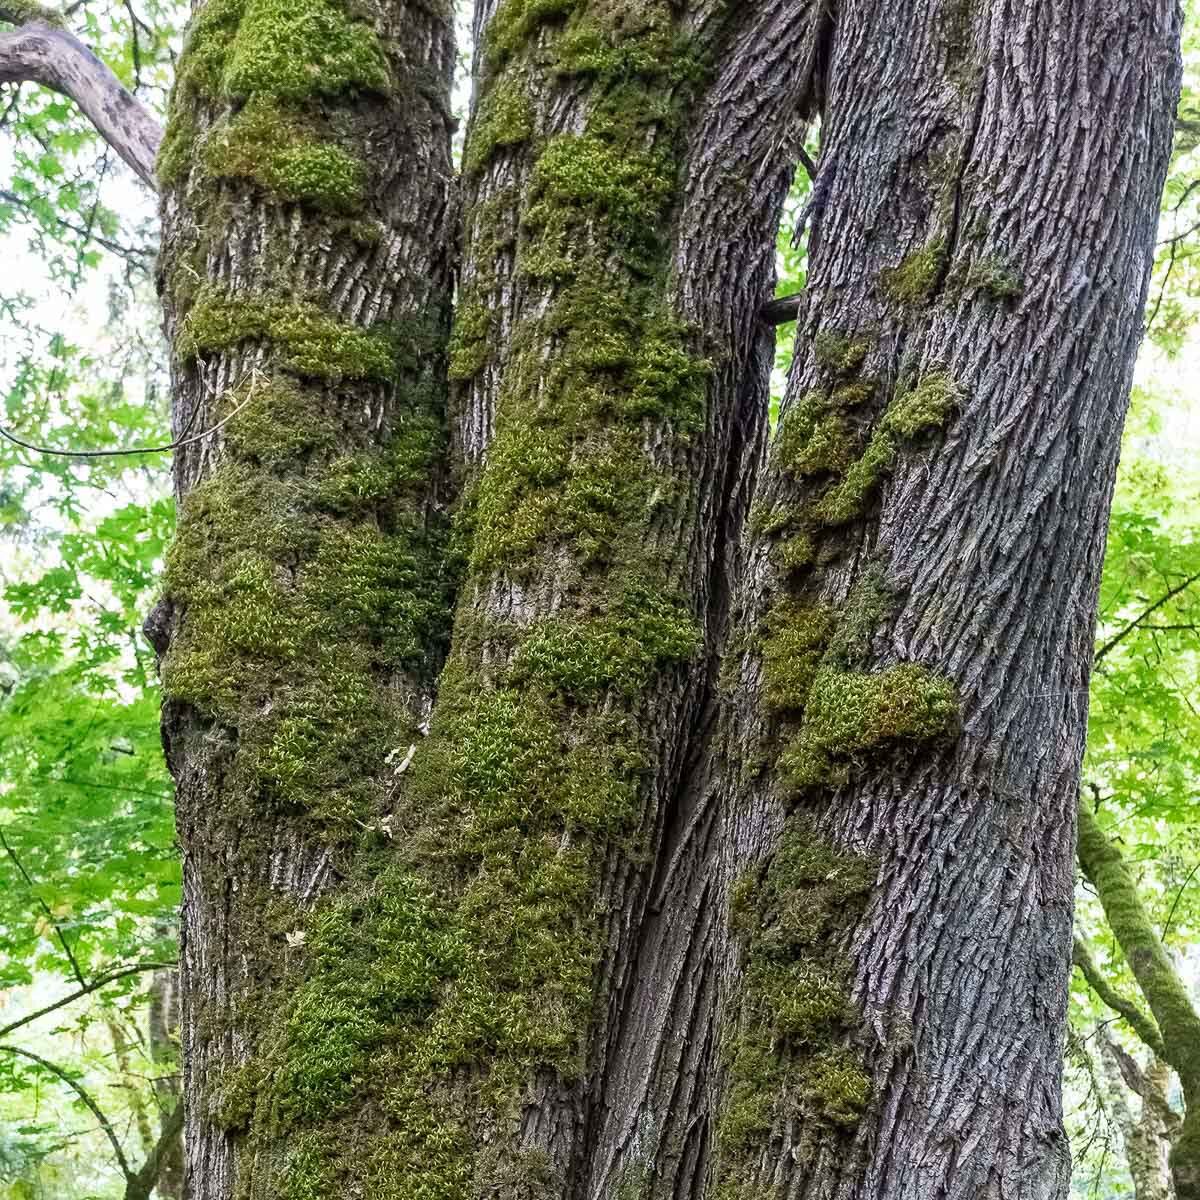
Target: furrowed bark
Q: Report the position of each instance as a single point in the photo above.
(305, 275)
(1160, 983)
(619, 217)
(909, 692)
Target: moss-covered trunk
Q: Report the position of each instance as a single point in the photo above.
(306, 275)
(473, 939)
(1162, 986)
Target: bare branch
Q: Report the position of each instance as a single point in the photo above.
(1137, 622)
(94, 986)
(83, 1095)
(41, 52)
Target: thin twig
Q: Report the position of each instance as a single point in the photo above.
(45, 909)
(1118, 638)
(1178, 896)
(187, 441)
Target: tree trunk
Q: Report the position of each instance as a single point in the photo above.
(909, 680)
(479, 947)
(305, 275)
(1145, 1136)
(164, 1050)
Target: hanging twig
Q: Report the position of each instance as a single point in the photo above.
(45, 909)
(83, 1095)
(186, 441)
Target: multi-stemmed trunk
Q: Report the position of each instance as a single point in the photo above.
(730, 852)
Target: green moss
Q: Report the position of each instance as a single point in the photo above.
(793, 648)
(829, 447)
(368, 957)
(912, 282)
(849, 714)
(848, 498)
(620, 363)
(504, 118)
(592, 44)
(296, 49)
(866, 608)
(994, 278)
(619, 651)
(838, 354)
(926, 406)
(177, 151)
(310, 341)
(582, 177)
(469, 349)
(19, 12)
(274, 420)
(852, 395)
(206, 48)
(796, 552)
(789, 1053)
(363, 482)
(266, 144)
(515, 21)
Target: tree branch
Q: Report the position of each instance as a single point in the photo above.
(1139, 1081)
(62, 937)
(83, 1095)
(1118, 638)
(783, 309)
(1140, 1022)
(87, 990)
(43, 52)
(1165, 992)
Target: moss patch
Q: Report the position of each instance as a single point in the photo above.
(264, 144)
(295, 49)
(791, 1054)
(912, 282)
(312, 343)
(848, 714)
(505, 118)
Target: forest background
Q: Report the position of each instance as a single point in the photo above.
(89, 874)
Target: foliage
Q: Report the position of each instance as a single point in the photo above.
(89, 876)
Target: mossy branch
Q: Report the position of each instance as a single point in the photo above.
(1156, 976)
(1160, 984)
(1141, 1023)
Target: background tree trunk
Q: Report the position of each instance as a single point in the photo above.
(1146, 1136)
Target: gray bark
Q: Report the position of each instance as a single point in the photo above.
(1001, 134)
